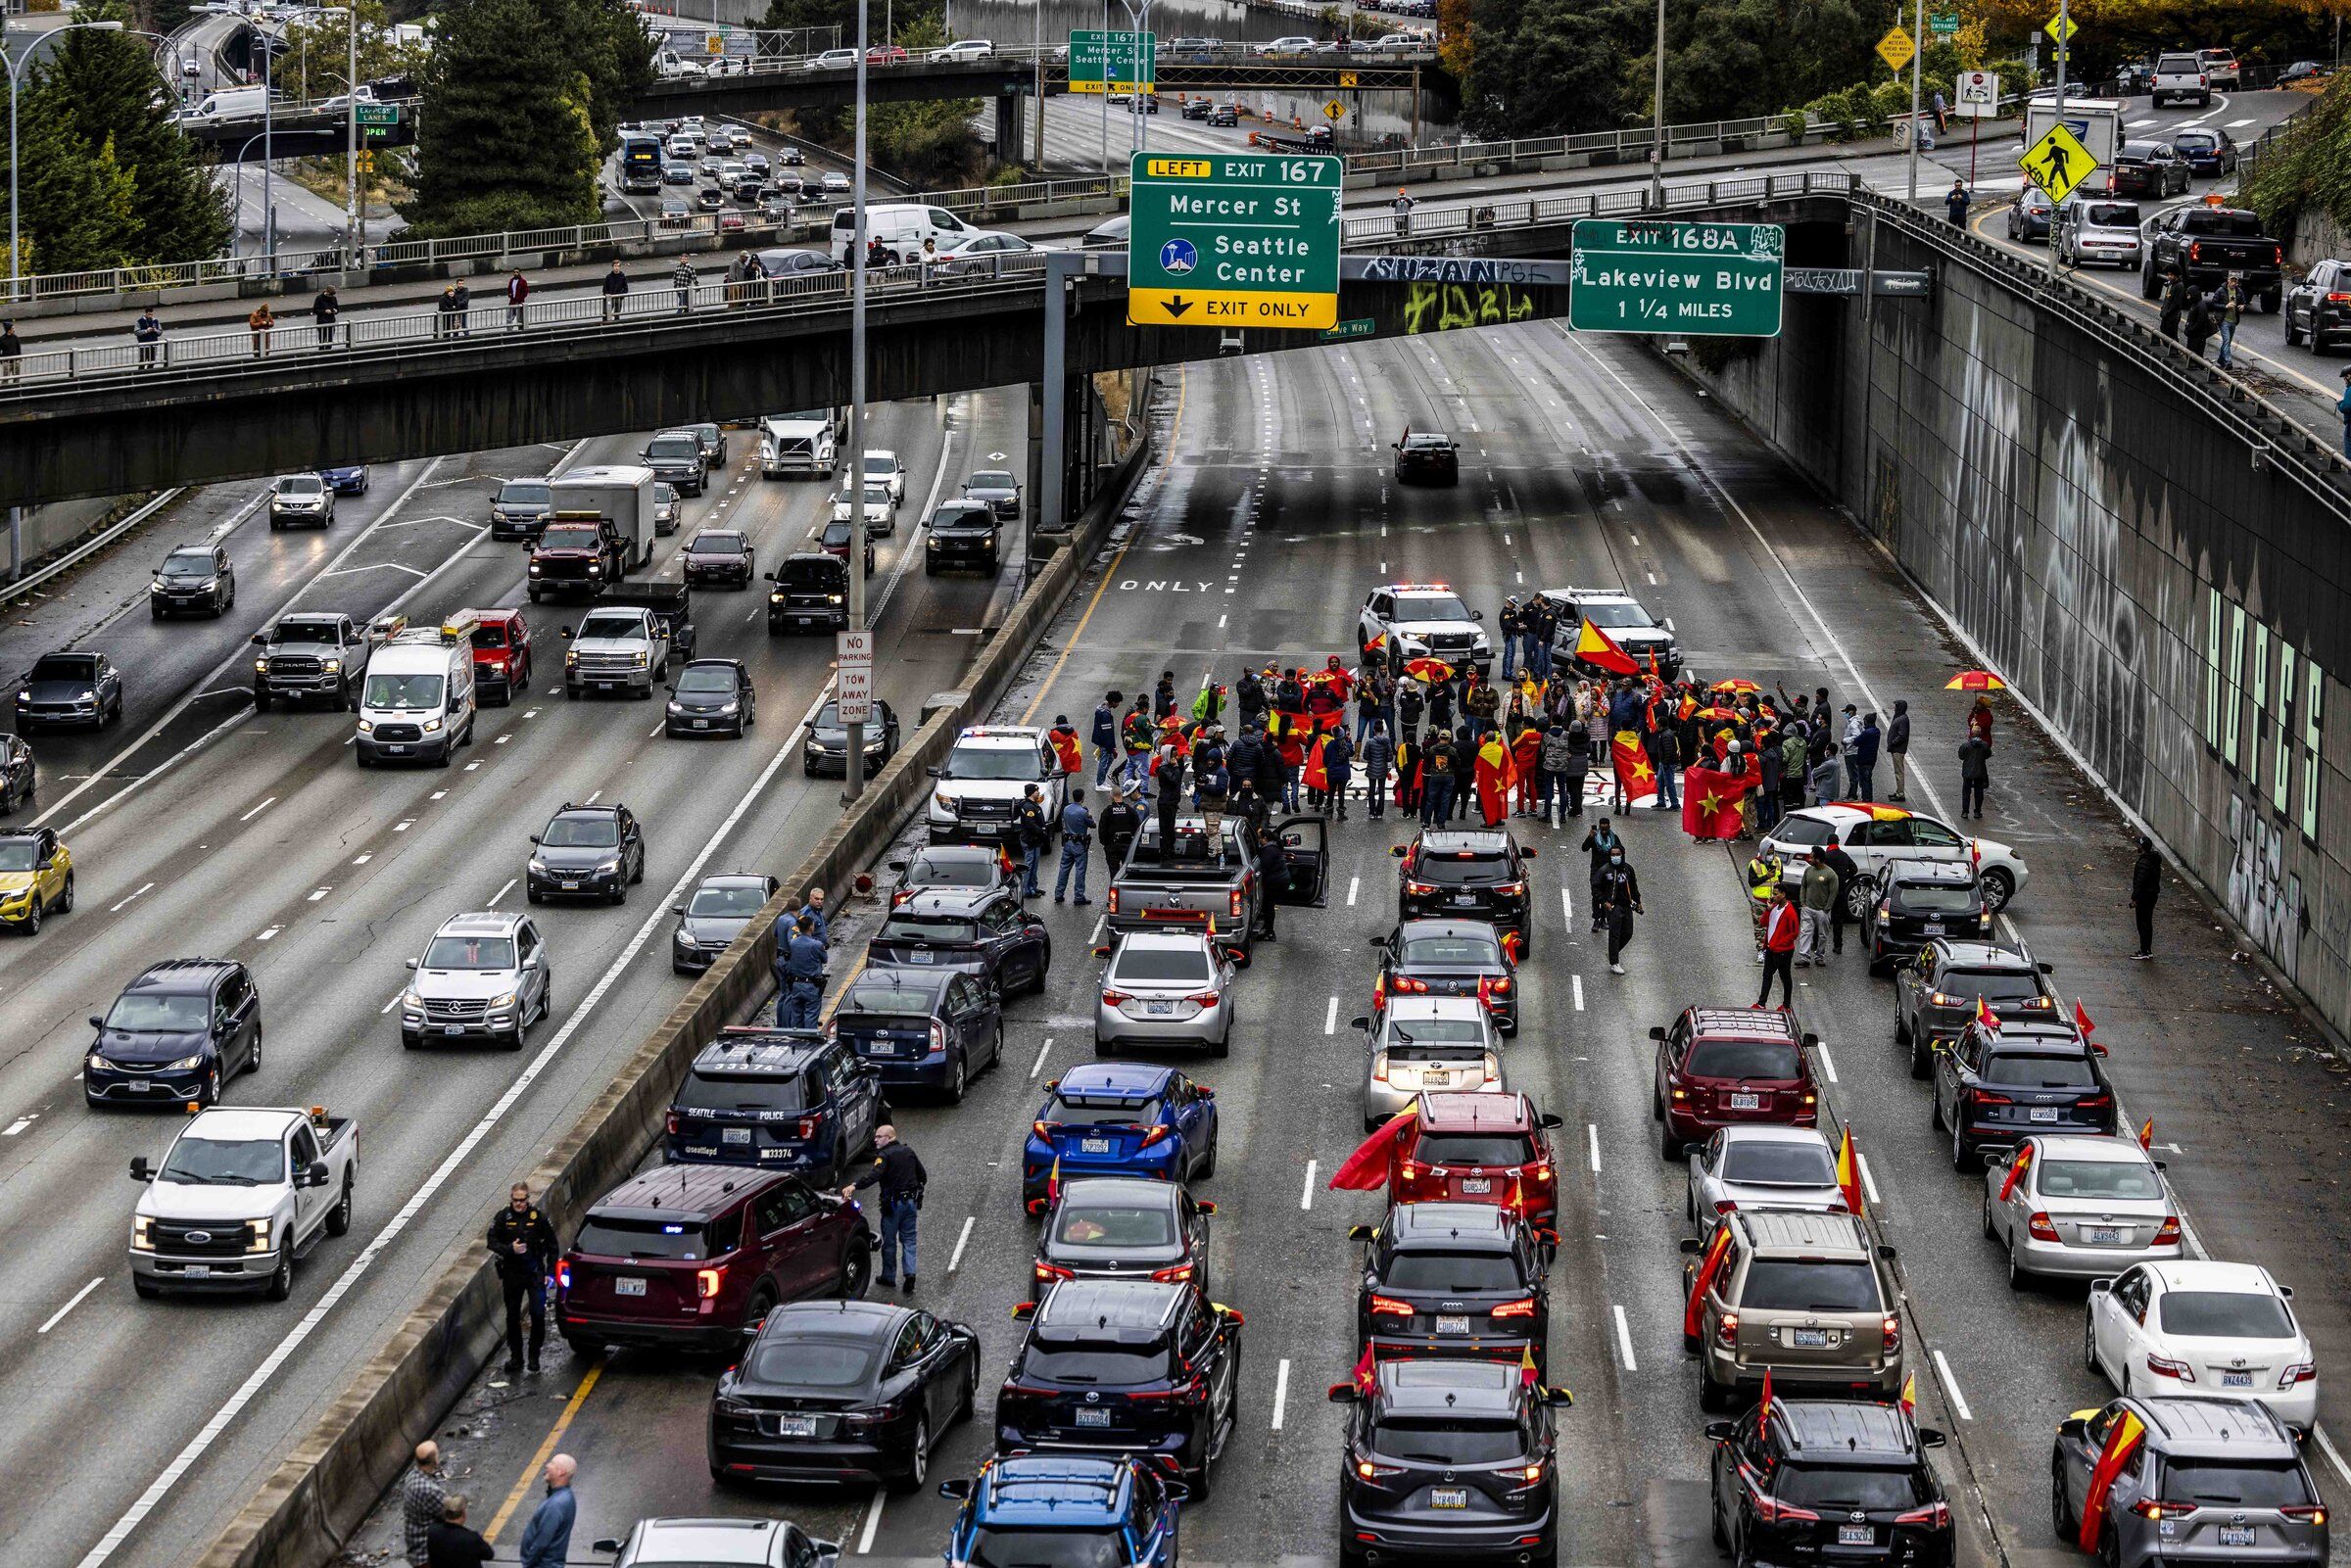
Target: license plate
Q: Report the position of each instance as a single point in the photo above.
(1449, 1497)
(2044, 1112)
(919, 956)
(702, 724)
(571, 885)
(397, 750)
(1477, 1184)
(1465, 900)
(795, 1426)
(1934, 927)
(880, 1047)
(2237, 1380)
(1094, 1418)
(1159, 1008)
(2236, 1536)
(735, 1135)
(2105, 1235)
(141, 1085)
(1857, 1536)
(198, 1270)
(804, 620)
(628, 1287)
(604, 686)
(1093, 1146)
(1453, 1325)
(1746, 1102)
(453, 1028)
(1809, 1339)
(1435, 1080)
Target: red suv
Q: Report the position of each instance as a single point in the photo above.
(687, 1256)
(502, 654)
(1724, 1067)
(1478, 1149)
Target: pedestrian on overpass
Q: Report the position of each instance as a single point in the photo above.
(799, 976)
(324, 310)
(148, 333)
(898, 1171)
(12, 350)
(617, 289)
(523, 1245)
(681, 278)
(518, 291)
(1955, 202)
(262, 322)
(462, 308)
(1404, 205)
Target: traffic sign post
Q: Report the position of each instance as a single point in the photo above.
(1113, 62)
(1334, 110)
(2062, 27)
(1977, 93)
(1683, 279)
(853, 676)
(1231, 240)
(2057, 163)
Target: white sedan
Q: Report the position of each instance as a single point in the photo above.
(1761, 1168)
(884, 468)
(2222, 1330)
(2080, 1208)
(881, 513)
(1877, 837)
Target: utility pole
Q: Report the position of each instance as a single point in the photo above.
(2058, 118)
(1105, 92)
(1917, 58)
(1656, 147)
(854, 772)
(269, 146)
(351, 177)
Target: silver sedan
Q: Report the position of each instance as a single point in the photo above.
(1165, 988)
(2080, 1208)
(1443, 1043)
(1761, 1168)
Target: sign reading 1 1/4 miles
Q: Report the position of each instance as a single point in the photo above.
(1684, 279)
(1230, 240)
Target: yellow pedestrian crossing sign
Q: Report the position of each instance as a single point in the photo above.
(2057, 163)
(1897, 48)
(2062, 34)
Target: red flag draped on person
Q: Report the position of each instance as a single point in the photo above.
(1366, 1170)
(1634, 774)
(1600, 650)
(1318, 773)
(1494, 774)
(1710, 802)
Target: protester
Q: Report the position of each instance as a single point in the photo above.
(324, 309)
(450, 1542)
(1105, 737)
(1834, 856)
(1599, 844)
(1379, 756)
(1866, 742)
(1617, 897)
(1818, 896)
(421, 1497)
(1975, 773)
(1031, 829)
(2146, 881)
(617, 289)
(1781, 924)
(1898, 748)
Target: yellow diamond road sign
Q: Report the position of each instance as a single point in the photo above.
(1334, 110)
(1895, 49)
(2057, 163)
(2064, 34)
(1347, 78)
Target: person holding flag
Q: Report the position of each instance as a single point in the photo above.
(1526, 769)
(1629, 767)
(1494, 774)
(1711, 800)
(1064, 739)
(1337, 755)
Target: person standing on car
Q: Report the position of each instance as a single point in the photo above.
(898, 1171)
(524, 1246)
(1077, 837)
(2146, 881)
(324, 310)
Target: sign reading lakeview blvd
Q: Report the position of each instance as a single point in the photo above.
(1113, 62)
(1716, 279)
(1234, 240)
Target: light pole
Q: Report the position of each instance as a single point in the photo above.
(854, 770)
(1917, 65)
(16, 240)
(2064, 26)
(1656, 146)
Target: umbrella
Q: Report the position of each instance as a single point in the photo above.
(1974, 680)
(1428, 669)
(1714, 713)
(1737, 684)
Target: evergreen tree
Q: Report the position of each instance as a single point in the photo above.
(102, 86)
(77, 206)
(507, 135)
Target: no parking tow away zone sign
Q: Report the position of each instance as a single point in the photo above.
(1234, 240)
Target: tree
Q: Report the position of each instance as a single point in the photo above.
(318, 53)
(506, 135)
(76, 207)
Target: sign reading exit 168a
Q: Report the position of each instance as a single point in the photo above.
(1711, 279)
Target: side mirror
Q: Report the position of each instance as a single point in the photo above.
(315, 1176)
(1552, 1120)
(897, 865)
(1558, 1399)
(1399, 850)
(1205, 1092)
(671, 689)
(2046, 968)
(1994, 1161)
(260, 639)
(1345, 1394)
(1885, 1252)
(1722, 1431)
(1232, 1318)
(97, 1022)
(411, 963)
(610, 1543)
(2098, 1048)
(677, 909)
(534, 839)
(1478, 615)
(1811, 1041)
(1353, 1023)
(1022, 1312)
(934, 773)
(773, 578)
(1929, 1437)
(140, 1169)
(1657, 1031)
(563, 630)
(1379, 942)
(2070, 1427)
(1102, 950)
(1690, 1246)
(2100, 1286)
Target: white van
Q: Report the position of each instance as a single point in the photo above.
(231, 103)
(419, 699)
(899, 226)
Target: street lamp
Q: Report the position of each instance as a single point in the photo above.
(16, 238)
(853, 777)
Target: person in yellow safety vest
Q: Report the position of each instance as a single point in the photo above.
(1762, 882)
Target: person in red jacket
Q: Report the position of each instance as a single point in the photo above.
(1064, 738)
(1779, 926)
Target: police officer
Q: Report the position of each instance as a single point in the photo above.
(899, 1173)
(1077, 837)
(799, 976)
(812, 907)
(1121, 822)
(524, 1245)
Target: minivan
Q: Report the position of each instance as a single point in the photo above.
(897, 227)
(1796, 1294)
(419, 699)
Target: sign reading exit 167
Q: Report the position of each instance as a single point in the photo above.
(1684, 279)
(1233, 239)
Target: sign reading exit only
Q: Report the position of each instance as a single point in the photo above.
(1227, 240)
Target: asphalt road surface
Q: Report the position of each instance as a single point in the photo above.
(1584, 461)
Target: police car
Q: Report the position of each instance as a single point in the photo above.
(1424, 620)
(1617, 613)
(978, 792)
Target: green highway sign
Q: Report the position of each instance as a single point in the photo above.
(1233, 239)
(1361, 328)
(379, 114)
(1113, 62)
(1682, 279)
(1944, 24)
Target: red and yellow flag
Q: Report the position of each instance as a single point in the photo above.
(1763, 1404)
(1366, 1170)
(1600, 650)
(1380, 640)
(2016, 1170)
(1053, 1182)
(1316, 773)
(2121, 1443)
(2146, 1134)
(1849, 1170)
(1634, 774)
(1526, 1366)
(1910, 1399)
(1694, 1314)
(1985, 1016)
(1367, 1378)
(1710, 802)
(2082, 1019)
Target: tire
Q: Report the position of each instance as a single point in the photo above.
(918, 1465)
(2061, 1516)
(1858, 897)
(2019, 1277)
(959, 1080)
(1223, 1046)
(1959, 1153)
(1935, 1111)
(255, 1064)
(261, 702)
(856, 1271)
(1999, 886)
(65, 900)
(2146, 281)
(338, 1218)
(1208, 1166)
(971, 1393)
(1669, 1147)
(2090, 1348)
(32, 918)
(281, 1283)
(209, 1092)
(585, 1349)
(1711, 1398)
(2293, 339)
(2269, 300)
(764, 1302)
(1901, 1026)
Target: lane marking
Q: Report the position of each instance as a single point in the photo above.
(1592, 1137)
(1306, 1198)
(57, 1317)
(1828, 1063)
(502, 892)
(1567, 904)
(403, 825)
(438, 795)
(1576, 983)
(1869, 1182)
(1353, 885)
(269, 932)
(1281, 1388)
(873, 1521)
(1330, 1019)
(356, 860)
(258, 810)
(1039, 1063)
(2327, 1447)
(956, 1262)
(143, 887)
(389, 1006)
(1951, 1385)
(1625, 1339)
(546, 1450)
(316, 893)
(19, 1124)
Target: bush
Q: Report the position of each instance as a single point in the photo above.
(1794, 123)
(1888, 101)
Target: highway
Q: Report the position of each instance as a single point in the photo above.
(200, 827)
(1585, 461)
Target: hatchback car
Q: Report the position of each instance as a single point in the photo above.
(1475, 874)
(962, 535)
(1720, 1066)
(777, 1098)
(2095, 231)
(1131, 1366)
(2003, 1081)
(304, 500)
(592, 851)
(1934, 994)
(175, 1035)
(979, 867)
(1449, 958)
(1828, 1481)
(1225, 113)
(1452, 1280)
(1109, 1512)
(2198, 1326)
(1119, 1120)
(997, 490)
(482, 977)
(719, 1544)
(193, 578)
(69, 688)
(1918, 901)
(1426, 1043)
(2078, 1208)
(2207, 152)
(711, 697)
(348, 480)
(1166, 987)
(989, 936)
(721, 556)
(1427, 456)
(1448, 1460)
(685, 1258)
(2214, 1481)
(1761, 1168)
(1876, 837)
(721, 905)
(20, 774)
(1123, 1227)
(924, 1028)
(826, 750)
(1801, 1296)
(2317, 307)
(2148, 168)
(1479, 1148)
(843, 1391)
(2030, 215)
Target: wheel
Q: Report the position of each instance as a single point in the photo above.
(1722, 1540)
(209, 1093)
(1959, 1155)
(2293, 339)
(639, 875)
(1207, 1161)
(764, 1302)
(65, 900)
(1710, 1395)
(2269, 300)
(2019, 1278)
(1858, 897)
(1935, 1111)
(253, 1063)
(857, 1270)
(971, 1394)
(2146, 282)
(2090, 1345)
(958, 1081)
(1223, 1046)
(260, 701)
(918, 1465)
(1999, 886)
(1901, 1024)
(2061, 1515)
(32, 918)
(1987, 1231)
(281, 1283)
(584, 1347)
(1669, 1147)
(338, 1218)
(532, 893)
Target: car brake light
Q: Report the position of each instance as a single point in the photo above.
(1365, 1470)
(2304, 1513)
(1406, 986)
(1543, 1174)
(2157, 1508)
(563, 1279)
(2041, 1228)
(2338, 299)
(1379, 1068)
(903, 895)
(1726, 1206)
(2167, 1234)
(1770, 1511)
(1726, 1330)
(1420, 887)
(1154, 1135)
(1115, 998)
(1527, 1475)
(672, 1121)
(1411, 1170)
(1986, 1097)
(707, 1280)
(2094, 1102)
(1206, 999)
(1524, 1307)
(1890, 1326)
(808, 1125)
(1234, 900)
(1511, 890)
(1173, 1274)
(2163, 1367)
(1390, 1306)
(1114, 901)
(938, 1035)
(2299, 1372)
(2195, 250)
(1046, 1272)
(1934, 1516)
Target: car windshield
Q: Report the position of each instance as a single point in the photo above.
(1430, 607)
(2097, 1178)
(768, 1091)
(1474, 1149)
(825, 575)
(885, 998)
(991, 479)
(525, 492)
(301, 485)
(708, 679)
(1450, 1442)
(686, 446)
(1775, 1163)
(925, 871)
(929, 929)
(1081, 1547)
(447, 952)
(1936, 898)
(2225, 1314)
(735, 898)
(1617, 614)
(2218, 1484)
(874, 495)
(1173, 965)
(1082, 1111)
(301, 632)
(1452, 1271)
(672, 1239)
(2039, 1069)
(1460, 868)
(621, 624)
(64, 667)
(1113, 1225)
(1992, 985)
(417, 691)
(1472, 951)
(1771, 1061)
(1436, 1031)
(580, 832)
(2196, 140)
(188, 563)
(17, 854)
(1813, 1286)
(809, 1363)
(489, 637)
(963, 514)
(568, 536)
(144, 1013)
(238, 1163)
(1019, 764)
(1095, 1363)
(881, 462)
(715, 543)
(1824, 1487)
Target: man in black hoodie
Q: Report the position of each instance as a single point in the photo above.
(1897, 747)
(2146, 881)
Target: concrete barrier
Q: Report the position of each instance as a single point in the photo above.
(324, 1488)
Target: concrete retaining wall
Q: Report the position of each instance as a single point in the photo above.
(2106, 538)
(326, 1486)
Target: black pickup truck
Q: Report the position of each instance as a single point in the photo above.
(2209, 243)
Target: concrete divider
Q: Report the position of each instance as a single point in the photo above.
(327, 1483)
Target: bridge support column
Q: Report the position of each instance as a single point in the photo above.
(1008, 111)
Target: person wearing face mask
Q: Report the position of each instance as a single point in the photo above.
(1618, 897)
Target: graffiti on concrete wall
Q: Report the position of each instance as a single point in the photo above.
(2265, 897)
(1450, 307)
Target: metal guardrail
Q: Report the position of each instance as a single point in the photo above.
(402, 334)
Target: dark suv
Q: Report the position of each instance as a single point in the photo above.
(1919, 900)
(587, 852)
(685, 1258)
(1125, 1367)
(1449, 958)
(1468, 873)
(1934, 994)
(1452, 1280)
(1828, 1481)
(811, 592)
(193, 577)
(986, 932)
(1450, 1459)
(928, 1028)
(963, 534)
(779, 1099)
(2005, 1080)
(176, 1033)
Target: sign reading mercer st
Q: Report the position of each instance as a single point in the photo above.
(1713, 279)
(1234, 240)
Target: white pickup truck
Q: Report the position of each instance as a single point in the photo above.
(615, 648)
(240, 1194)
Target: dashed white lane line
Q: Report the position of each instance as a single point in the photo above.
(1577, 983)
(873, 1522)
(1306, 1197)
(1951, 1385)
(1281, 1391)
(1567, 903)
(1330, 1018)
(19, 1125)
(269, 932)
(1354, 886)
(361, 860)
(1869, 1182)
(962, 1240)
(502, 892)
(143, 887)
(1625, 1340)
(57, 1317)
(438, 795)
(656, 730)
(258, 810)
(1592, 1138)
(1037, 1066)
(389, 1006)
(403, 825)
(500, 741)
(316, 893)
(1828, 1063)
